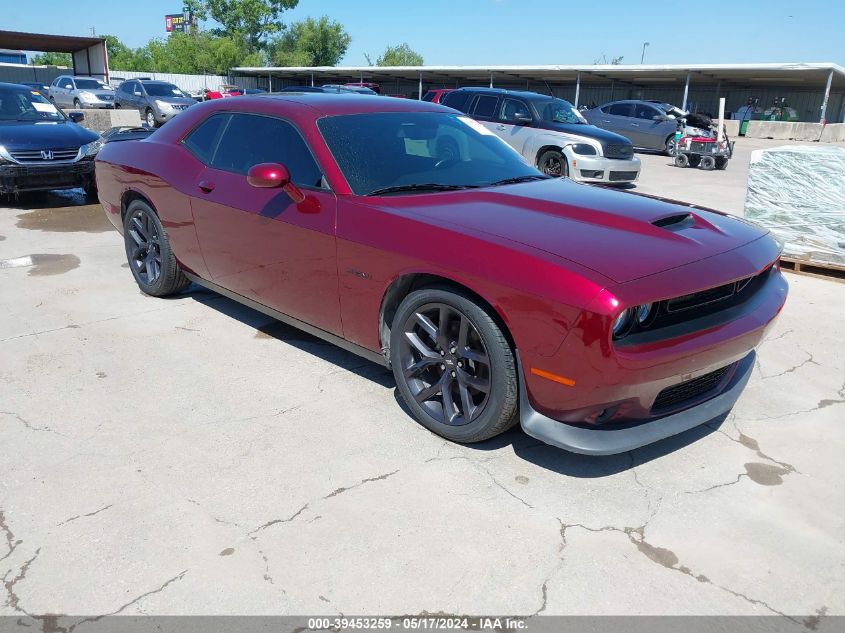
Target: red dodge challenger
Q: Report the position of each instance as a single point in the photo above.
(410, 234)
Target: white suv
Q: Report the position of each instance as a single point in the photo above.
(80, 92)
(550, 133)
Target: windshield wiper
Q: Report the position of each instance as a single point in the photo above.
(518, 179)
(431, 186)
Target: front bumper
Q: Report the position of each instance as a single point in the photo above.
(165, 115)
(20, 178)
(605, 170)
(97, 105)
(615, 439)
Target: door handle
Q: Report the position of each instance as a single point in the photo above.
(206, 186)
(605, 121)
(635, 125)
(501, 128)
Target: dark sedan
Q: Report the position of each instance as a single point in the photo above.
(600, 320)
(41, 147)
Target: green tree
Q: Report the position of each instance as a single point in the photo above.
(52, 59)
(400, 55)
(311, 42)
(121, 57)
(197, 54)
(250, 20)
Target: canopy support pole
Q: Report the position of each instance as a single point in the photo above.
(826, 97)
(686, 92)
(419, 93)
(577, 88)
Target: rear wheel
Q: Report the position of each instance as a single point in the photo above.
(694, 160)
(682, 160)
(148, 251)
(453, 366)
(721, 163)
(553, 163)
(708, 163)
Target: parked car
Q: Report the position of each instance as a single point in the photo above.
(157, 101)
(346, 88)
(36, 157)
(366, 84)
(222, 92)
(647, 124)
(67, 91)
(601, 320)
(550, 133)
(255, 91)
(41, 88)
(304, 89)
(436, 95)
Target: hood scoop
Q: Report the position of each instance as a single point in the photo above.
(677, 222)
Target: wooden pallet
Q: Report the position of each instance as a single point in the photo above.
(815, 269)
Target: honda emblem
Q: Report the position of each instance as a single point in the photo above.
(47, 154)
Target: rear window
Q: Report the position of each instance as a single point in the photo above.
(457, 100)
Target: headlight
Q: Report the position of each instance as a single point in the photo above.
(163, 105)
(644, 313)
(584, 149)
(4, 155)
(91, 149)
(87, 96)
(623, 323)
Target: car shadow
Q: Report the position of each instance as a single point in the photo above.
(54, 199)
(526, 447)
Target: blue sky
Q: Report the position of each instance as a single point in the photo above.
(511, 31)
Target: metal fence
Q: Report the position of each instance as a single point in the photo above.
(188, 83)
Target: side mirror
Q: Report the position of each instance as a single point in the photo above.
(523, 119)
(76, 117)
(272, 175)
(661, 117)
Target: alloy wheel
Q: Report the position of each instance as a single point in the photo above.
(445, 364)
(151, 118)
(145, 250)
(555, 165)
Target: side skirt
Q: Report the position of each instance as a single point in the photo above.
(370, 355)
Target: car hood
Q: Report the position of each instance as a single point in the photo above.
(44, 134)
(590, 131)
(99, 92)
(620, 235)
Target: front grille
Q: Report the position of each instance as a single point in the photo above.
(619, 150)
(697, 299)
(105, 97)
(180, 107)
(616, 176)
(677, 395)
(52, 155)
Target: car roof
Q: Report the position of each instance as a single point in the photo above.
(525, 94)
(343, 103)
(16, 86)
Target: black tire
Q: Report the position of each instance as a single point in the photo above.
(721, 163)
(553, 163)
(681, 160)
(694, 160)
(670, 146)
(708, 163)
(77, 104)
(117, 106)
(148, 252)
(91, 191)
(483, 358)
(150, 118)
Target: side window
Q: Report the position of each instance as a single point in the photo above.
(252, 139)
(55, 82)
(620, 109)
(457, 100)
(513, 110)
(485, 106)
(203, 139)
(643, 111)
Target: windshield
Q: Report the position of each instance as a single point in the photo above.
(26, 105)
(395, 149)
(90, 84)
(163, 90)
(559, 111)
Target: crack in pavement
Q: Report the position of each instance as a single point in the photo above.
(11, 543)
(277, 521)
(668, 559)
(360, 483)
(27, 424)
(13, 600)
(829, 402)
(82, 516)
(808, 360)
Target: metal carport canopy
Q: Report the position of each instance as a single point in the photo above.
(807, 75)
(89, 53)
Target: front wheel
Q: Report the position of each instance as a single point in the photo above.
(708, 163)
(453, 366)
(553, 163)
(148, 251)
(721, 163)
(77, 105)
(150, 118)
(670, 148)
(682, 160)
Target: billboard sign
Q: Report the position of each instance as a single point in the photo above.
(179, 22)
